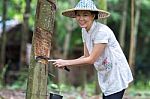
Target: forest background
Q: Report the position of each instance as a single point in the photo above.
(17, 19)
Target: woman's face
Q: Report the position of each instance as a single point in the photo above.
(85, 19)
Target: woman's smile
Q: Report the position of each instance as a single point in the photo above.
(82, 24)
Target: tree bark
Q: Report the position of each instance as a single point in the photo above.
(41, 46)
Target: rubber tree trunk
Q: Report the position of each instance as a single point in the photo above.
(41, 45)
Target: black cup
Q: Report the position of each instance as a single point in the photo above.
(55, 96)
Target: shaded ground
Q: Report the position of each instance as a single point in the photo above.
(11, 94)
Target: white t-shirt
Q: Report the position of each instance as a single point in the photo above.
(114, 73)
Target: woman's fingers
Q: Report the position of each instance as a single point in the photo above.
(57, 65)
(60, 66)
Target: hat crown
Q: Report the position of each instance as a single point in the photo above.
(86, 5)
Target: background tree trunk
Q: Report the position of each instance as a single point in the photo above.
(4, 37)
(25, 32)
(41, 45)
(123, 24)
(132, 39)
(137, 18)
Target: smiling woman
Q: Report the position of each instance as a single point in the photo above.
(101, 48)
(85, 19)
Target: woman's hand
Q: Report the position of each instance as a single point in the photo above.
(60, 63)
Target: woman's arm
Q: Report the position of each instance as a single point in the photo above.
(86, 53)
(87, 59)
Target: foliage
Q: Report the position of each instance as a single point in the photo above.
(145, 4)
(113, 1)
(16, 8)
(19, 84)
(134, 89)
(62, 89)
(90, 88)
(63, 23)
(2, 75)
(61, 26)
(142, 60)
(140, 88)
(59, 88)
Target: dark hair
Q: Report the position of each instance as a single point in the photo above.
(96, 14)
(93, 12)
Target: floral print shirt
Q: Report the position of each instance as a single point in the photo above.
(113, 71)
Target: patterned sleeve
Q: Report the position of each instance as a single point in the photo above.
(101, 36)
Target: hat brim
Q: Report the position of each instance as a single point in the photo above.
(71, 13)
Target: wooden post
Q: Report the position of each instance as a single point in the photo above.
(41, 46)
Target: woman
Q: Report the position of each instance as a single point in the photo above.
(101, 49)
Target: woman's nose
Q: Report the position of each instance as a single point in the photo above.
(81, 18)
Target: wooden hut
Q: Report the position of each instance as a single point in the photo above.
(13, 47)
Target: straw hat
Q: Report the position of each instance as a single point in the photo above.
(85, 5)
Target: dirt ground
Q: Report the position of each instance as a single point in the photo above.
(17, 94)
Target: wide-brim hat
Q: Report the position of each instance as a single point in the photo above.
(85, 5)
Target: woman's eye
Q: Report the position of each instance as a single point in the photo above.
(85, 15)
